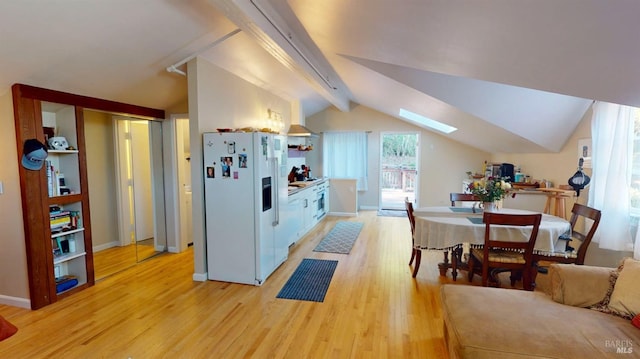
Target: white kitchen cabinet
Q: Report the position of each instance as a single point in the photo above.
(310, 208)
(300, 214)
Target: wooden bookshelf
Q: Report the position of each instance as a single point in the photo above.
(32, 107)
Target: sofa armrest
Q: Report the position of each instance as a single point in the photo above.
(579, 285)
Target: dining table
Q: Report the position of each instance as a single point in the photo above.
(451, 228)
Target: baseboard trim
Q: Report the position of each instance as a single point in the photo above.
(200, 277)
(102, 247)
(15, 301)
(343, 214)
(173, 250)
(369, 208)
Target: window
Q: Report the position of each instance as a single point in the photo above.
(344, 155)
(634, 190)
(615, 180)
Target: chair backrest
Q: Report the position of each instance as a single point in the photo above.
(593, 214)
(493, 219)
(409, 207)
(462, 197)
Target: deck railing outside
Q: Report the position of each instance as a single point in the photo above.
(399, 178)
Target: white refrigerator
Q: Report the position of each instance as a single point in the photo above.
(245, 180)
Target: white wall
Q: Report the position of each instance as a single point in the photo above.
(219, 99)
(14, 282)
(556, 167)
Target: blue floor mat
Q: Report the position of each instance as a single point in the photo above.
(310, 281)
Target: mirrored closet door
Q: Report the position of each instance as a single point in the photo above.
(127, 192)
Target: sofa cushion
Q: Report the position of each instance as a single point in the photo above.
(483, 322)
(625, 298)
(579, 286)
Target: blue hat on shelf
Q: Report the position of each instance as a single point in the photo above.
(33, 154)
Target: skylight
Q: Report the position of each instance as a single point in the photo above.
(439, 126)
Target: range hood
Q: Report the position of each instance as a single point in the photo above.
(300, 131)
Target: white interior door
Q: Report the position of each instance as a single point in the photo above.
(124, 183)
(184, 180)
(141, 170)
(140, 185)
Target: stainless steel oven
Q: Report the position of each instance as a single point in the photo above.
(322, 194)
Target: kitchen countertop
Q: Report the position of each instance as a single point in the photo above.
(297, 186)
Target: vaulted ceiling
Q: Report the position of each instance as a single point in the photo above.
(511, 76)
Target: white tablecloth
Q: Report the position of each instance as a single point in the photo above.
(437, 231)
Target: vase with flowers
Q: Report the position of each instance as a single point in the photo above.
(489, 191)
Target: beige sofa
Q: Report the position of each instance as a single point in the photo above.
(508, 323)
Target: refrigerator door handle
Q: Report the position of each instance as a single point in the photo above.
(276, 189)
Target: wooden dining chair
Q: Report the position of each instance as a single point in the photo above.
(416, 253)
(500, 255)
(584, 236)
(456, 253)
(462, 197)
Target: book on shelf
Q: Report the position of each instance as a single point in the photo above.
(56, 185)
(75, 219)
(60, 221)
(59, 213)
(49, 167)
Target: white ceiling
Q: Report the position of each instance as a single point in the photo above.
(512, 76)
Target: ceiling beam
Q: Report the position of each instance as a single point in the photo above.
(289, 44)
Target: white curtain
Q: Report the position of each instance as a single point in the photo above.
(612, 150)
(344, 155)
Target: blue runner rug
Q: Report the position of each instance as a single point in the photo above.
(465, 210)
(392, 213)
(341, 238)
(310, 281)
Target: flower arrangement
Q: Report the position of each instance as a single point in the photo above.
(490, 189)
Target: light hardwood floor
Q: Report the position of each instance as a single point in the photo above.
(373, 309)
(115, 259)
